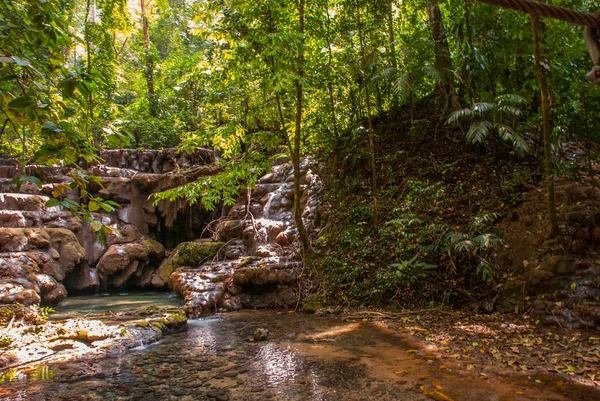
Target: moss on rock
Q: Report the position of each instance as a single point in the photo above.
(189, 254)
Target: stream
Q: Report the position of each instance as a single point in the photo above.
(305, 357)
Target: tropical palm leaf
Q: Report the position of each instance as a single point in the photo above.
(510, 111)
(511, 99)
(403, 85)
(508, 134)
(459, 115)
(478, 131)
(432, 72)
(482, 107)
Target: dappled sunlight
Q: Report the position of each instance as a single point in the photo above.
(475, 328)
(277, 364)
(333, 332)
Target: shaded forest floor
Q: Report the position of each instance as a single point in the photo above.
(404, 261)
(504, 344)
(434, 235)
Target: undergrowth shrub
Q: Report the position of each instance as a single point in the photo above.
(368, 264)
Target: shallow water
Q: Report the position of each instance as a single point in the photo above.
(304, 358)
(81, 306)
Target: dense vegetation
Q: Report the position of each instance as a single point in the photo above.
(371, 86)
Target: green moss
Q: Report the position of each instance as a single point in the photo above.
(188, 254)
(5, 342)
(178, 316)
(313, 303)
(159, 326)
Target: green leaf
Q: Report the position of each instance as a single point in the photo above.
(53, 202)
(69, 112)
(68, 86)
(93, 206)
(50, 128)
(96, 226)
(106, 207)
(20, 102)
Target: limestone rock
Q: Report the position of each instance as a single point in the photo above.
(189, 254)
(83, 279)
(122, 259)
(52, 291)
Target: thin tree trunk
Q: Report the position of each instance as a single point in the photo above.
(465, 86)
(304, 239)
(369, 118)
(392, 46)
(443, 61)
(89, 20)
(329, 73)
(390, 27)
(547, 129)
(152, 106)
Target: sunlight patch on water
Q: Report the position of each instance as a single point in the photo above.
(279, 365)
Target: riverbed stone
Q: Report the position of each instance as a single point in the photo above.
(52, 292)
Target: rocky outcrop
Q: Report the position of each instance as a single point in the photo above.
(558, 280)
(32, 261)
(57, 248)
(46, 251)
(133, 261)
(258, 264)
(251, 261)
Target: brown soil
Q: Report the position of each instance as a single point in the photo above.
(502, 344)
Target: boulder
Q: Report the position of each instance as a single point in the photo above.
(189, 254)
(52, 292)
(122, 259)
(59, 244)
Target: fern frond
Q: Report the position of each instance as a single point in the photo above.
(511, 99)
(517, 141)
(510, 111)
(478, 131)
(432, 72)
(458, 115)
(482, 107)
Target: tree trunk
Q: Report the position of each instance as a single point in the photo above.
(370, 132)
(304, 239)
(390, 27)
(90, 18)
(152, 106)
(547, 129)
(443, 61)
(329, 73)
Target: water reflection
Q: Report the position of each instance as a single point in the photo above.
(205, 333)
(277, 364)
(305, 358)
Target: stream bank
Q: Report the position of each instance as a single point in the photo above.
(304, 357)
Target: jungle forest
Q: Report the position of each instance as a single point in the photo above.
(300, 200)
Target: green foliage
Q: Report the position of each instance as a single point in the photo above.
(5, 342)
(224, 187)
(475, 246)
(499, 117)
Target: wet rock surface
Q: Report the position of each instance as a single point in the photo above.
(304, 358)
(101, 327)
(251, 261)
